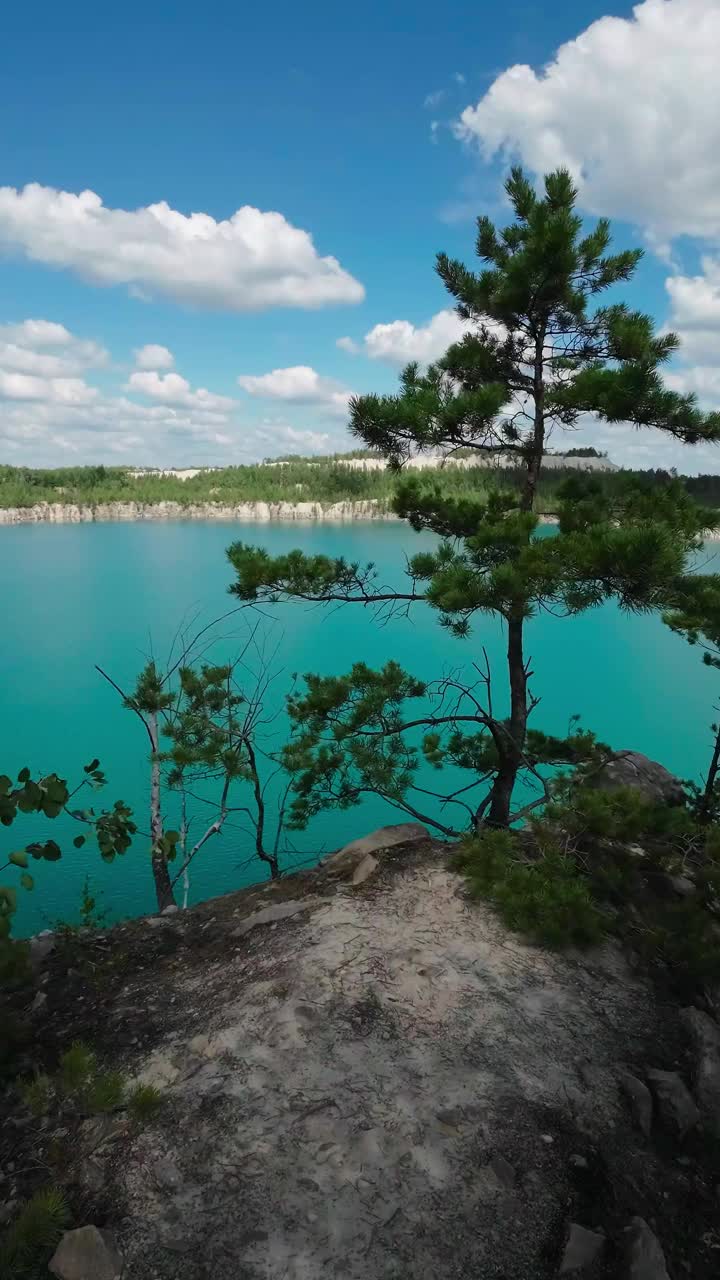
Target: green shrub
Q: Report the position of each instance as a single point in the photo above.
(544, 897)
(144, 1102)
(32, 1237)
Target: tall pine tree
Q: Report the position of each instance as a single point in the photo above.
(538, 356)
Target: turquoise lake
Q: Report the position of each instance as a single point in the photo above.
(77, 595)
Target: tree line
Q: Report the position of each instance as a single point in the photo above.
(324, 480)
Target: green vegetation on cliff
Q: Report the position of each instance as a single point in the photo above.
(324, 480)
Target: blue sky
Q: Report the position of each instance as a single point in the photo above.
(362, 147)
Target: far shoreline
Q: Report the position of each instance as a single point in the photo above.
(368, 509)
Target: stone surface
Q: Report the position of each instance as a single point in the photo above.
(676, 1104)
(171, 909)
(632, 769)
(582, 1249)
(345, 861)
(86, 1254)
(639, 1100)
(644, 1257)
(705, 1036)
(40, 947)
(365, 869)
(352, 1093)
(270, 915)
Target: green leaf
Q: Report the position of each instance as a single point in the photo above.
(91, 766)
(19, 858)
(24, 775)
(5, 784)
(27, 881)
(79, 841)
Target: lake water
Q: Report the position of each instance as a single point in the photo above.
(76, 595)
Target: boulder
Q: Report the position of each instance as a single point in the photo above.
(705, 1036)
(581, 1250)
(270, 915)
(86, 1254)
(365, 869)
(347, 859)
(644, 1258)
(640, 1101)
(675, 1102)
(632, 769)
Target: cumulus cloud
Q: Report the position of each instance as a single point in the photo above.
(172, 389)
(695, 311)
(400, 341)
(247, 262)
(631, 107)
(48, 350)
(24, 386)
(152, 356)
(299, 384)
(349, 345)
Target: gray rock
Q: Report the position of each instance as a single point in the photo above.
(365, 869)
(705, 1036)
(675, 1102)
(640, 1101)
(581, 1250)
(503, 1171)
(40, 947)
(86, 1254)
(170, 910)
(39, 1002)
(351, 855)
(644, 1258)
(167, 1174)
(92, 1176)
(683, 886)
(270, 915)
(632, 769)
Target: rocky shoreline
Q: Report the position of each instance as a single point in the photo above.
(262, 512)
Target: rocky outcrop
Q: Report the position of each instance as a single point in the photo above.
(632, 769)
(86, 1254)
(70, 513)
(705, 1038)
(645, 1259)
(369, 1076)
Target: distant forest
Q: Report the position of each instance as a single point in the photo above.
(323, 480)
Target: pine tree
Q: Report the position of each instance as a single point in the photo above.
(537, 356)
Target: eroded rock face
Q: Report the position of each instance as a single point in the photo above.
(632, 769)
(350, 857)
(676, 1104)
(705, 1036)
(368, 1088)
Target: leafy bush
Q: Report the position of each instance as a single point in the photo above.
(80, 1088)
(597, 862)
(33, 1236)
(544, 897)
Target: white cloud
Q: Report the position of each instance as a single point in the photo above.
(632, 107)
(349, 345)
(298, 385)
(250, 261)
(171, 389)
(400, 341)
(285, 438)
(695, 311)
(458, 77)
(24, 386)
(152, 356)
(434, 99)
(48, 350)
